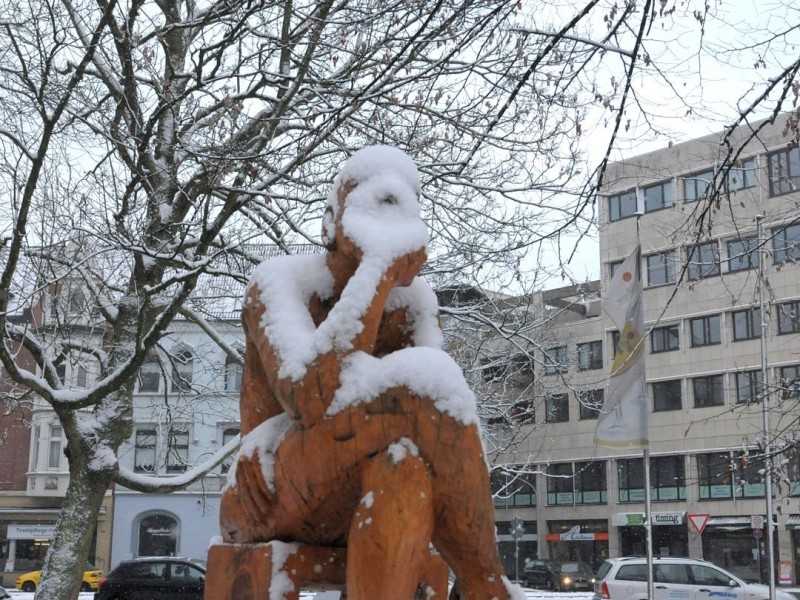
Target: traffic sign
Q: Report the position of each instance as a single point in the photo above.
(756, 522)
(698, 522)
(758, 533)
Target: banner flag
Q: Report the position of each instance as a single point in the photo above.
(623, 419)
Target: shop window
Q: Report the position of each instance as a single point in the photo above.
(657, 197)
(182, 368)
(703, 261)
(708, 391)
(705, 331)
(784, 171)
(748, 387)
(786, 243)
(177, 450)
(789, 317)
(590, 403)
(228, 434)
(150, 374)
(511, 489)
(790, 382)
(144, 458)
(665, 339)
(743, 254)
(233, 374)
(746, 324)
(667, 395)
(715, 476)
(590, 356)
(660, 268)
(556, 360)
(158, 535)
(698, 185)
(557, 408)
(622, 205)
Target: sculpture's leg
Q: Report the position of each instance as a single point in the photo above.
(390, 533)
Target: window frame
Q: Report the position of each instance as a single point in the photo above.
(746, 257)
(787, 251)
(556, 360)
(746, 324)
(660, 338)
(713, 468)
(708, 330)
(786, 322)
(753, 386)
(140, 448)
(707, 264)
(556, 408)
(664, 395)
(664, 199)
(783, 183)
(513, 489)
(790, 382)
(593, 352)
(182, 371)
(150, 371)
(590, 403)
(694, 178)
(177, 456)
(619, 203)
(233, 374)
(665, 267)
(716, 384)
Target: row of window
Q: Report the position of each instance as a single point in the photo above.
(720, 476)
(704, 260)
(155, 376)
(157, 452)
(706, 390)
(784, 177)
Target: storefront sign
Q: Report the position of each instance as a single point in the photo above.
(576, 535)
(30, 532)
(160, 531)
(656, 518)
(785, 572)
(667, 518)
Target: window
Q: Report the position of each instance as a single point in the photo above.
(144, 459)
(665, 339)
(590, 403)
(182, 367)
(784, 171)
(233, 374)
(789, 317)
(590, 356)
(748, 387)
(158, 536)
(667, 395)
(708, 391)
(714, 476)
(559, 484)
(615, 341)
(743, 254)
(630, 476)
(510, 489)
(697, 186)
(177, 450)
(748, 471)
(658, 196)
(703, 260)
(557, 408)
(77, 302)
(523, 412)
(590, 482)
(622, 205)
(667, 478)
(746, 324)
(227, 435)
(742, 176)
(150, 374)
(556, 360)
(54, 448)
(660, 268)
(613, 266)
(705, 330)
(786, 243)
(790, 382)
(81, 377)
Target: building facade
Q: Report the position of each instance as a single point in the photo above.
(704, 367)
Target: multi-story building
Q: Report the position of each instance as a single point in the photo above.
(704, 359)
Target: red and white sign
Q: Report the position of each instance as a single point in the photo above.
(698, 521)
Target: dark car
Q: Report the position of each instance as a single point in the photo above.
(576, 575)
(542, 574)
(154, 578)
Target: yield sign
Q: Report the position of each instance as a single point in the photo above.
(699, 522)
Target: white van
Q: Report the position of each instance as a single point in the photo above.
(675, 578)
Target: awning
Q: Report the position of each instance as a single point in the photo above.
(793, 522)
(729, 523)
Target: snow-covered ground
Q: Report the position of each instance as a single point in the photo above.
(532, 594)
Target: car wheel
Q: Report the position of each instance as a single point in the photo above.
(28, 586)
(85, 587)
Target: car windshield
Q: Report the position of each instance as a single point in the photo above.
(570, 567)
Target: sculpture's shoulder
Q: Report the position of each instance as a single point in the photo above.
(287, 281)
(420, 306)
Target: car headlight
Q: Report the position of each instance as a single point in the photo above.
(567, 580)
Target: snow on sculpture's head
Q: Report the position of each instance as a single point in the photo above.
(374, 203)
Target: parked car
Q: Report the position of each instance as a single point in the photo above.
(161, 577)
(576, 575)
(4, 595)
(541, 574)
(626, 579)
(28, 582)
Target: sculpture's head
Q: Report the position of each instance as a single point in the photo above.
(373, 208)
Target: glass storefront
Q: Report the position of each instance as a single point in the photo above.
(158, 535)
(582, 540)
(730, 543)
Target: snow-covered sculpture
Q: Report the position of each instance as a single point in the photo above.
(360, 442)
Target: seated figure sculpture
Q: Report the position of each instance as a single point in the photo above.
(358, 430)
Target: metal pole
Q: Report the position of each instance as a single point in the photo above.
(765, 407)
(648, 526)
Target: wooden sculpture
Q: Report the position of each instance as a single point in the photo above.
(360, 441)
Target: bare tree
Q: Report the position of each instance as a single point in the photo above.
(147, 143)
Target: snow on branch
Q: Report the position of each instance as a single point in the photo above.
(580, 40)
